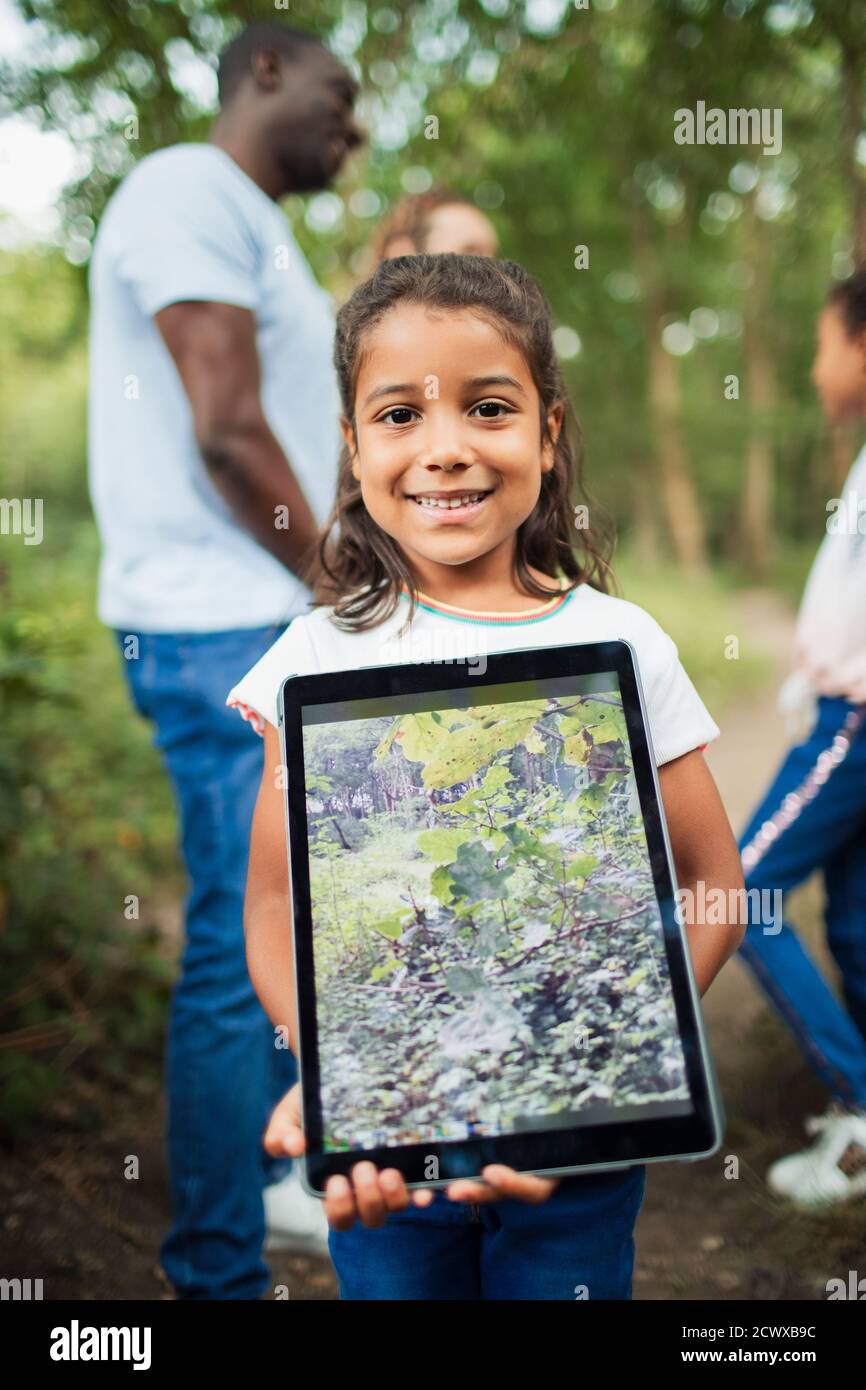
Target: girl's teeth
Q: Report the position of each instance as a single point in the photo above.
(449, 502)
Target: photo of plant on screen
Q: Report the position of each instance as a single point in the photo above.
(488, 945)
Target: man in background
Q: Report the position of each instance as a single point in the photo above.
(213, 441)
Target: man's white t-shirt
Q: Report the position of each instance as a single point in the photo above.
(188, 224)
(679, 721)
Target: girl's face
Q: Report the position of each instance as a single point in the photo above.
(448, 447)
(839, 370)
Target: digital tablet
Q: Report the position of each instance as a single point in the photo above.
(489, 962)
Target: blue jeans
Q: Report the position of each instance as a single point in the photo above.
(577, 1245)
(224, 1072)
(830, 835)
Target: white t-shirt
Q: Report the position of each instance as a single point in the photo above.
(678, 718)
(831, 625)
(188, 224)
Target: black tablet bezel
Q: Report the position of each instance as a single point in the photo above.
(613, 1144)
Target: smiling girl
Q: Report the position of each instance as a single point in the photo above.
(454, 508)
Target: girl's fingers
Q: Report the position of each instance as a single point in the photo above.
(524, 1187)
(394, 1191)
(282, 1137)
(464, 1190)
(340, 1209)
(284, 1133)
(368, 1197)
(500, 1182)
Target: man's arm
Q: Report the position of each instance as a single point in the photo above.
(214, 350)
(704, 849)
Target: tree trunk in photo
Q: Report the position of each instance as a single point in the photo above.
(757, 527)
(343, 841)
(664, 391)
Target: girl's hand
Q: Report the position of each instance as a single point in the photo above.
(369, 1195)
(285, 1131)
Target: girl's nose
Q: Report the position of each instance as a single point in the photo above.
(445, 449)
(446, 463)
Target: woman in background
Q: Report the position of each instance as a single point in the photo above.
(431, 224)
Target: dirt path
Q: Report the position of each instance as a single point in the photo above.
(70, 1217)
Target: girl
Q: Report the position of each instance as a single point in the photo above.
(454, 511)
(814, 814)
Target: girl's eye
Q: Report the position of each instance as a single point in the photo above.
(491, 409)
(402, 411)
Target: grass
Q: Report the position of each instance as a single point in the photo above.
(706, 620)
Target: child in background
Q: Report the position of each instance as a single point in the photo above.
(814, 814)
(434, 223)
(456, 510)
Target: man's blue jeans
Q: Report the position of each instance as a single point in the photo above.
(224, 1072)
(830, 835)
(577, 1245)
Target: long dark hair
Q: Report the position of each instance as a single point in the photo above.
(849, 296)
(362, 573)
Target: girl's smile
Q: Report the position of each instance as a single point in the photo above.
(450, 508)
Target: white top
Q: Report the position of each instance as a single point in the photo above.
(188, 224)
(830, 637)
(831, 627)
(678, 719)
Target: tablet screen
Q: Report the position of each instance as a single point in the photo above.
(488, 945)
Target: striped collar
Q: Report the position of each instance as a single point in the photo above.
(470, 615)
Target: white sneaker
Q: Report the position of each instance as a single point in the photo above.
(833, 1169)
(293, 1219)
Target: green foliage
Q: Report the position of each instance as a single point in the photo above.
(509, 925)
(443, 844)
(85, 823)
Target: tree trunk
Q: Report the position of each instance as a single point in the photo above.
(645, 529)
(678, 491)
(852, 125)
(756, 511)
